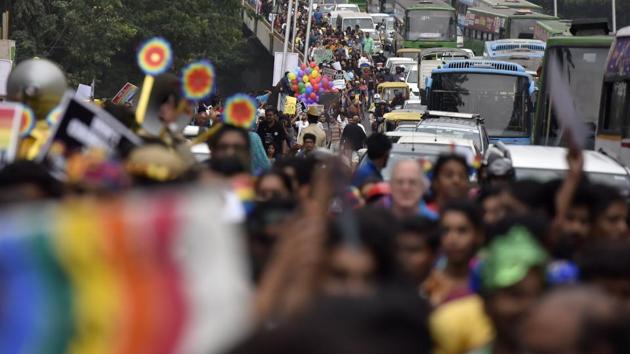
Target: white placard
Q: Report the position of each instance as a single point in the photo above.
(293, 61)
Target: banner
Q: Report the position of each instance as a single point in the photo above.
(290, 105)
(83, 126)
(321, 55)
(331, 102)
(10, 117)
(293, 61)
(329, 72)
(84, 92)
(125, 94)
(5, 69)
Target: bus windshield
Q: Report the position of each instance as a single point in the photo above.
(435, 25)
(389, 22)
(522, 26)
(412, 77)
(502, 100)
(581, 67)
(364, 23)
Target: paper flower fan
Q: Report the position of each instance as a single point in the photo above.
(155, 56)
(27, 123)
(198, 80)
(53, 116)
(240, 111)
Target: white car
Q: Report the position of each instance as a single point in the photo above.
(425, 149)
(415, 104)
(407, 63)
(347, 7)
(545, 163)
(412, 81)
(436, 145)
(326, 6)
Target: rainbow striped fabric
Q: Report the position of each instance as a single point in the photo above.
(137, 274)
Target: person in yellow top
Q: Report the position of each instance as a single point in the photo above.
(511, 274)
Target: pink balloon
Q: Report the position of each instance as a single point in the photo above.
(303, 66)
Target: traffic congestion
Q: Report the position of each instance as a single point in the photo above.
(433, 176)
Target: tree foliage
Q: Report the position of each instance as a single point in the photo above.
(97, 39)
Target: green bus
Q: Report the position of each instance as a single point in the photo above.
(425, 24)
(543, 30)
(582, 61)
(489, 23)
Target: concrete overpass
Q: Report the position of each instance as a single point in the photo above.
(272, 40)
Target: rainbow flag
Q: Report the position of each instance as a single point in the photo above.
(143, 272)
(10, 116)
(125, 94)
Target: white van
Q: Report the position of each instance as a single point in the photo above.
(351, 19)
(328, 6)
(347, 7)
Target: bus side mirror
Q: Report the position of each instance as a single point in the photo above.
(532, 89)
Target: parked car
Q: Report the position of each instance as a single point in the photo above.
(545, 163)
(456, 125)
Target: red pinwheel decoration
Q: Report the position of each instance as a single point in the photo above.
(198, 80)
(155, 56)
(240, 111)
(27, 123)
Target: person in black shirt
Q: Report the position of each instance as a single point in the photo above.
(354, 134)
(271, 132)
(399, 100)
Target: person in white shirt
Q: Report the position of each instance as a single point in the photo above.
(300, 123)
(358, 121)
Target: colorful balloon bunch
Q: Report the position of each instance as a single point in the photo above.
(308, 83)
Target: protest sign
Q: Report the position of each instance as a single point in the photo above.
(292, 62)
(339, 84)
(321, 55)
(125, 94)
(5, 69)
(329, 72)
(290, 105)
(331, 102)
(10, 117)
(83, 126)
(84, 92)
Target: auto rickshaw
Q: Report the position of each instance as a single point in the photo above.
(401, 116)
(388, 90)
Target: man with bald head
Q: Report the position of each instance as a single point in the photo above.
(407, 185)
(575, 320)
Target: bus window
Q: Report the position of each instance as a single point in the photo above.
(616, 107)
